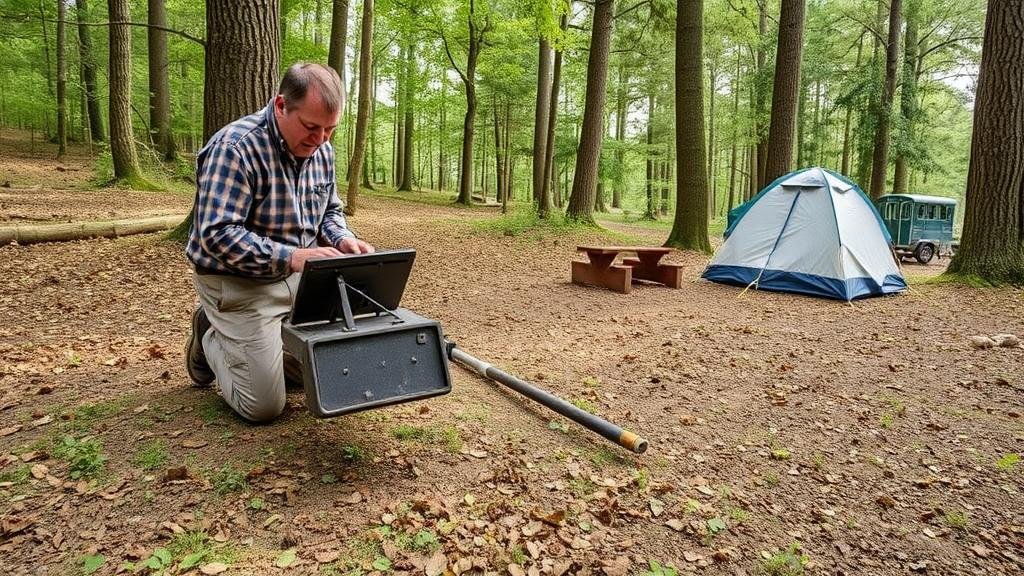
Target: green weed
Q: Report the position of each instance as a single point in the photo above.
(1007, 462)
(788, 563)
(657, 569)
(227, 479)
(152, 455)
(84, 457)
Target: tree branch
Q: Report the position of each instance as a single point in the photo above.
(28, 20)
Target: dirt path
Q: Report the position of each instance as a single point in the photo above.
(866, 438)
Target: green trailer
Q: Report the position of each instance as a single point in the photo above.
(920, 226)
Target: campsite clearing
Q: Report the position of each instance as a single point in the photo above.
(864, 438)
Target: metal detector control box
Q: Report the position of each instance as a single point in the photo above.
(357, 348)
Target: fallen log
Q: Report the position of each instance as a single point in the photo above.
(34, 233)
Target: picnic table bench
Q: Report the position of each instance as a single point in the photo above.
(601, 269)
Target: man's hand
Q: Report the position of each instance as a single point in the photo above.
(299, 256)
(354, 246)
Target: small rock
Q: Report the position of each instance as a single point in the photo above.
(1006, 340)
(918, 566)
(690, 556)
(982, 342)
(885, 501)
(980, 550)
(327, 556)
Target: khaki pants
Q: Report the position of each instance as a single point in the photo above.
(243, 346)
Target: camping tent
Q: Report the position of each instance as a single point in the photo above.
(810, 232)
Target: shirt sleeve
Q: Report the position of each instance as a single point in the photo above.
(222, 207)
(333, 227)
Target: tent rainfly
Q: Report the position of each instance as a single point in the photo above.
(809, 232)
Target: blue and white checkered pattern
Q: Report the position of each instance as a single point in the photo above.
(256, 202)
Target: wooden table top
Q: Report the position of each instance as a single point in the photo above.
(617, 249)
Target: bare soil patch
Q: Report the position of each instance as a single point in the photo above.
(870, 436)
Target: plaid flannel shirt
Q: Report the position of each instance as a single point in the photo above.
(256, 202)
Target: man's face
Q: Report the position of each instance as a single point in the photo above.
(307, 125)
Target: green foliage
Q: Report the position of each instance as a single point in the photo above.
(525, 219)
(447, 436)
(790, 562)
(1007, 462)
(226, 479)
(17, 476)
(656, 569)
(92, 563)
(84, 456)
(152, 455)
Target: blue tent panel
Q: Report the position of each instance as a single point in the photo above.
(801, 283)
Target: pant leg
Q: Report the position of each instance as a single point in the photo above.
(243, 346)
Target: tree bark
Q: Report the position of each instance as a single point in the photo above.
(620, 135)
(880, 158)
(159, 88)
(992, 247)
(339, 36)
(584, 183)
(651, 211)
(786, 90)
(235, 85)
(735, 134)
(540, 126)
(761, 92)
(550, 178)
(908, 100)
(122, 141)
(356, 167)
(89, 72)
(845, 169)
(408, 131)
(690, 225)
(476, 38)
(62, 99)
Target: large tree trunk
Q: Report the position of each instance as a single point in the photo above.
(992, 247)
(122, 141)
(735, 134)
(62, 99)
(339, 36)
(908, 100)
(499, 169)
(880, 158)
(236, 86)
(159, 88)
(786, 90)
(690, 225)
(356, 166)
(584, 183)
(713, 78)
(542, 108)
(89, 72)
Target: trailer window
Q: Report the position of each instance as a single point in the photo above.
(920, 211)
(905, 211)
(934, 212)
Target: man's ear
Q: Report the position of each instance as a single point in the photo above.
(279, 104)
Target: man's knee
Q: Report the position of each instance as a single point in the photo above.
(264, 411)
(264, 398)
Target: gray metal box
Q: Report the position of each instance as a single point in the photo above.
(385, 360)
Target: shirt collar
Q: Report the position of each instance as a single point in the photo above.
(275, 134)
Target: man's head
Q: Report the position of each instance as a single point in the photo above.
(307, 107)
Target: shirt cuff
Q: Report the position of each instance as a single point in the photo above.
(280, 259)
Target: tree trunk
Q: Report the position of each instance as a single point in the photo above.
(735, 133)
(620, 135)
(62, 99)
(880, 159)
(584, 183)
(122, 141)
(761, 91)
(786, 90)
(339, 37)
(713, 77)
(801, 122)
(356, 166)
(540, 126)
(651, 211)
(849, 113)
(159, 87)
(89, 72)
(690, 225)
(550, 177)
(408, 131)
(476, 38)
(993, 240)
(236, 86)
(499, 171)
(908, 100)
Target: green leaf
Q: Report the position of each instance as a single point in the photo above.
(191, 561)
(92, 563)
(286, 559)
(382, 564)
(716, 525)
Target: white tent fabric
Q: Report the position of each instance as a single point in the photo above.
(810, 232)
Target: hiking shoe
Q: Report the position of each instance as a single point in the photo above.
(195, 359)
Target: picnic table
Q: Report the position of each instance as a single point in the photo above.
(601, 269)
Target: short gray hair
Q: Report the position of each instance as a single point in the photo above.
(300, 76)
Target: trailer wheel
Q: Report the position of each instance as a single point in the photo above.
(924, 253)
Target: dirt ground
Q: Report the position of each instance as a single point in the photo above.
(787, 434)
